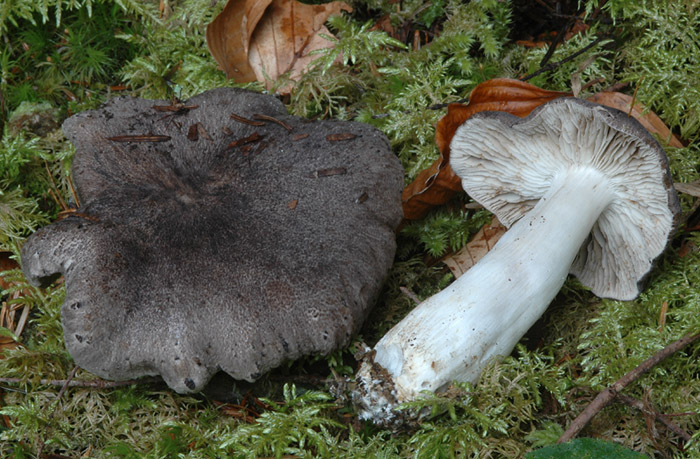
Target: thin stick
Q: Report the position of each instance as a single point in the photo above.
(553, 65)
(634, 97)
(59, 199)
(638, 404)
(94, 383)
(607, 395)
(558, 39)
(260, 117)
(72, 190)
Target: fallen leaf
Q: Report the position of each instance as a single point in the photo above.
(261, 40)
(285, 36)
(482, 242)
(437, 184)
(648, 119)
(6, 263)
(229, 34)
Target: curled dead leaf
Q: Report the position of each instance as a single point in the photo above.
(285, 36)
(437, 184)
(261, 40)
(482, 242)
(647, 118)
(229, 35)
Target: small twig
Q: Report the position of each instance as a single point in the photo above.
(92, 383)
(638, 404)
(607, 395)
(616, 87)
(254, 137)
(591, 83)
(441, 106)
(73, 192)
(244, 120)
(634, 97)
(662, 315)
(553, 65)
(258, 116)
(553, 46)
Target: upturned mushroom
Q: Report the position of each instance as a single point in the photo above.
(584, 189)
(219, 233)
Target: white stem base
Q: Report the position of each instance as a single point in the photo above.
(452, 335)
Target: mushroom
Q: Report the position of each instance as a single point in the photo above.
(217, 234)
(584, 189)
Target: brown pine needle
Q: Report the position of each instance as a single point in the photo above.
(55, 194)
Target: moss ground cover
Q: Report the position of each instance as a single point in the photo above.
(61, 57)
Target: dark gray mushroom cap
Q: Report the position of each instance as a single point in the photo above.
(219, 245)
(507, 163)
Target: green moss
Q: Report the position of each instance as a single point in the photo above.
(524, 401)
(173, 58)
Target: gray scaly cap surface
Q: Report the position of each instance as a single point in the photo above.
(508, 163)
(201, 252)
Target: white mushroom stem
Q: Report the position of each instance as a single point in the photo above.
(483, 314)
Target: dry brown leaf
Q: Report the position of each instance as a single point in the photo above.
(12, 316)
(692, 188)
(286, 34)
(6, 263)
(229, 35)
(649, 120)
(437, 184)
(482, 242)
(261, 40)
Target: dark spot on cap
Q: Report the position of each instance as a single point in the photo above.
(189, 383)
